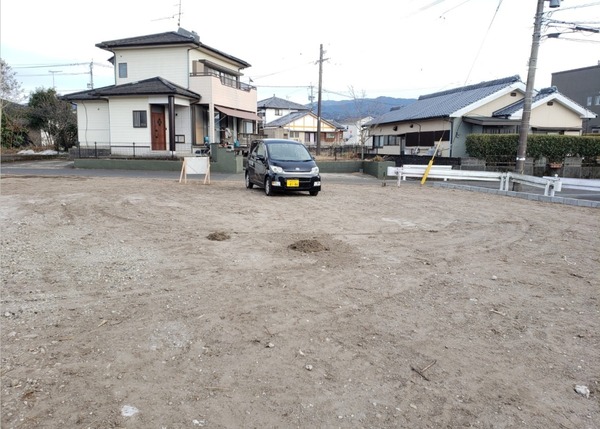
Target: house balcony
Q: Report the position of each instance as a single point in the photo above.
(223, 91)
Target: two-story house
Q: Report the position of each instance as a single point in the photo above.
(583, 86)
(172, 93)
(273, 108)
(445, 119)
(285, 119)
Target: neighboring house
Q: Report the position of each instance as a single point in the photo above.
(172, 94)
(493, 107)
(356, 134)
(302, 127)
(274, 108)
(583, 86)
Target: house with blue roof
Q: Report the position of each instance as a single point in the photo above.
(495, 107)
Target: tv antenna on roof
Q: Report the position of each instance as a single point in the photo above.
(178, 15)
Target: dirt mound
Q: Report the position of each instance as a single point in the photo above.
(218, 236)
(308, 246)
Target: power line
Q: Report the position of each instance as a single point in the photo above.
(487, 32)
(39, 66)
(62, 74)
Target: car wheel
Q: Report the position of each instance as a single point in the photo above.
(268, 186)
(313, 193)
(249, 184)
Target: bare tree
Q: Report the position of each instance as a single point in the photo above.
(14, 133)
(362, 112)
(10, 87)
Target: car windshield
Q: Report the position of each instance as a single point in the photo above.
(288, 152)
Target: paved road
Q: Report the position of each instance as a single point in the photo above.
(58, 167)
(65, 168)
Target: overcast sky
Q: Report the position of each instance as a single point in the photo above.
(402, 48)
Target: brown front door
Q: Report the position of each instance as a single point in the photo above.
(159, 140)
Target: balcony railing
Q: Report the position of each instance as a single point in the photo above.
(232, 83)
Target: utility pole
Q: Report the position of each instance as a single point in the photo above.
(92, 74)
(319, 101)
(526, 117)
(53, 73)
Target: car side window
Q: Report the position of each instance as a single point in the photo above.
(260, 150)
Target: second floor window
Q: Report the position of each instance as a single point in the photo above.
(122, 70)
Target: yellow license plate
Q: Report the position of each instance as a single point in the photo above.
(293, 183)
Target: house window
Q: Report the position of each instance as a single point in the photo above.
(393, 141)
(295, 134)
(122, 70)
(589, 101)
(277, 112)
(248, 127)
(597, 103)
(140, 119)
(378, 141)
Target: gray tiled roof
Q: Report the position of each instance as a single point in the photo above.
(279, 103)
(515, 107)
(152, 86)
(179, 37)
(291, 117)
(443, 104)
(284, 120)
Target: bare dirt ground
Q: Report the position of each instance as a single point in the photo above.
(148, 303)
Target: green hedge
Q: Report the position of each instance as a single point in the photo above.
(554, 148)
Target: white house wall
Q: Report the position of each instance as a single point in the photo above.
(93, 123)
(183, 127)
(122, 131)
(170, 64)
(214, 92)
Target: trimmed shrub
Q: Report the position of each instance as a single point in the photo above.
(554, 148)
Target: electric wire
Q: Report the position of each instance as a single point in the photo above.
(483, 41)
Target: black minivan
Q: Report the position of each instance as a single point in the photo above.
(281, 165)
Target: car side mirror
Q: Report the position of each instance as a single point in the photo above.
(260, 157)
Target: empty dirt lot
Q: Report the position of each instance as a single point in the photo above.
(148, 303)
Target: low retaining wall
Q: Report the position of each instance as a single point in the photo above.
(128, 164)
(233, 165)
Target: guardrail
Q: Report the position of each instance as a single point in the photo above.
(582, 184)
(550, 184)
(445, 172)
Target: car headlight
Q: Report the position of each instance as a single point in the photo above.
(275, 169)
(314, 170)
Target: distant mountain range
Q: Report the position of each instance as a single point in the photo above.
(351, 110)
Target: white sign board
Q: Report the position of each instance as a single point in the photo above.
(195, 165)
